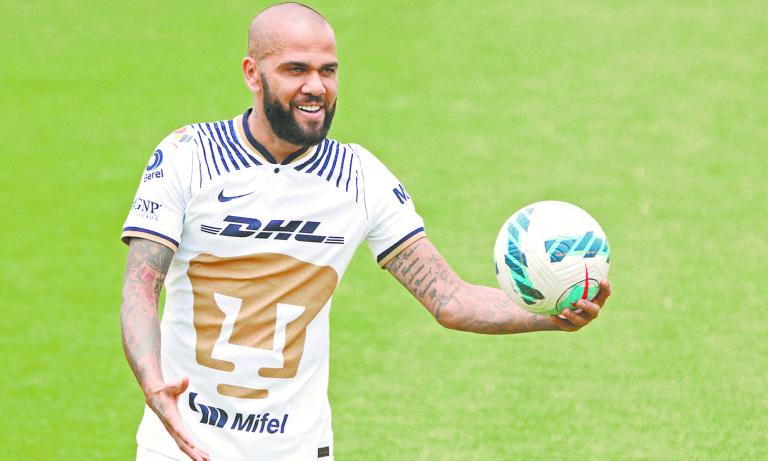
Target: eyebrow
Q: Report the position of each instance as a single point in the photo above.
(331, 65)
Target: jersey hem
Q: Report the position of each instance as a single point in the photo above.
(389, 254)
(130, 232)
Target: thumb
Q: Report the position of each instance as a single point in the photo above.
(180, 387)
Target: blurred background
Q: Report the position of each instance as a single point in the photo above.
(652, 115)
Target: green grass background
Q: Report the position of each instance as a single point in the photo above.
(652, 115)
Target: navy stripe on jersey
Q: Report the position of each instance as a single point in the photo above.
(151, 232)
(201, 151)
(327, 158)
(311, 158)
(333, 162)
(233, 136)
(219, 127)
(335, 158)
(214, 148)
(221, 150)
(222, 147)
(208, 152)
(389, 250)
(325, 145)
(341, 165)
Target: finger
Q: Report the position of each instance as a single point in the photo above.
(563, 323)
(577, 320)
(195, 454)
(169, 415)
(178, 388)
(185, 442)
(602, 295)
(586, 309)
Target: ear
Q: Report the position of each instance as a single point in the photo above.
(251, 75)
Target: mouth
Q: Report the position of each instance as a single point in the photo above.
(309, 108)
(312, 111)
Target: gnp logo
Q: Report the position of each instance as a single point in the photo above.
(145, 208)
(277, 229)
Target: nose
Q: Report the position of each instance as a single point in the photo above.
(313, 85)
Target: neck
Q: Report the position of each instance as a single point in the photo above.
(260, 129)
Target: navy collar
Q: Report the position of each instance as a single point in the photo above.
(263, 150)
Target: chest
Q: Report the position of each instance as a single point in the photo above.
(276, 210)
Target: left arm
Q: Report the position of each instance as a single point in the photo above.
(459, 305)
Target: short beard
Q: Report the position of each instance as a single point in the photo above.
(285, 125)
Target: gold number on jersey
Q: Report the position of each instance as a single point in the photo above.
(264, 284)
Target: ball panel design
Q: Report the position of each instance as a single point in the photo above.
(542, 253)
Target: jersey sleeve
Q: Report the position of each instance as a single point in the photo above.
(157, 211)
(393, 223)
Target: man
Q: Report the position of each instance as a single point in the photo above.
(254, 221)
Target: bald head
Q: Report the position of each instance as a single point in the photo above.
(271, 28)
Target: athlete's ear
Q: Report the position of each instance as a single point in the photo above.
(251, 75)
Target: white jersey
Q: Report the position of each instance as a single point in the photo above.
(260, 248)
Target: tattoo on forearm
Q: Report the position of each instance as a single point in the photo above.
(422, 258)
(426, 274)
(146, 267)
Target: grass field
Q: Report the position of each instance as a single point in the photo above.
(652, 115)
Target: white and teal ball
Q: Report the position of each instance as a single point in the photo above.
(550, 254)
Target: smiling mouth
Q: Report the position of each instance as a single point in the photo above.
(309, 108)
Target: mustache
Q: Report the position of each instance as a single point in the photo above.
(310, 100)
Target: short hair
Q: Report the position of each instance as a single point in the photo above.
(262, 38)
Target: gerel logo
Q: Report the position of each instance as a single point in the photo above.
(277, 229)
(155, 160)
(152, 175)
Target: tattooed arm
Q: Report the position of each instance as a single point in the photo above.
(145, 272)
(458, 305)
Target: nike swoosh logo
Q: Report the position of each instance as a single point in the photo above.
(224, 198)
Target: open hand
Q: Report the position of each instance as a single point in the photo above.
(585, 312)
(164, 402)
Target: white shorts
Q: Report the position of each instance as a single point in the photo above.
(145, 454)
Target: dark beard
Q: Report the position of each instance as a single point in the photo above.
(285, 125)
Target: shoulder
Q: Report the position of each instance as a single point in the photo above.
(179, 142)
(361, 151)
(368, 162)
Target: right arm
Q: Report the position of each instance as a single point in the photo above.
(145, 271)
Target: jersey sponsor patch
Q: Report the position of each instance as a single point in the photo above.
(400, 193)
(155, 160)
(276, 229)
(262, 423)
(145, 208)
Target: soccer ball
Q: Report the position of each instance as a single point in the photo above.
(550, 254)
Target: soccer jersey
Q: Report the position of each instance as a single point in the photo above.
(260, 248)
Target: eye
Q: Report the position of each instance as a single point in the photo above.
(328, 71)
